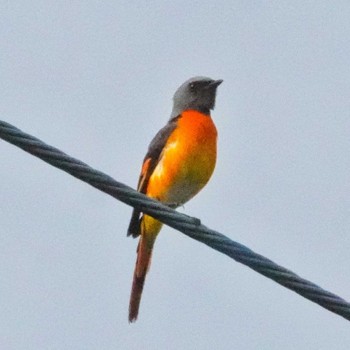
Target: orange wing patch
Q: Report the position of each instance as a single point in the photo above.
(144, 176)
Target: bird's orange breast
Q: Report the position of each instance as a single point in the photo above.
(187, 161)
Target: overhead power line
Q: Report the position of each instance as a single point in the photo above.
(190, 226)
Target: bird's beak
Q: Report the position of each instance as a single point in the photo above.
(215, 83)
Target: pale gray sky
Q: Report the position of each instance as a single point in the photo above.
(96, 79)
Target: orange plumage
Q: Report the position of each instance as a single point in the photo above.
(187, 162)
(180, 161)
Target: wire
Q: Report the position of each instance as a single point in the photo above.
(190, 226)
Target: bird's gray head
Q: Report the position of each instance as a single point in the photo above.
(197, 93)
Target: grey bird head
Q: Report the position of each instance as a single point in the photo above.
(197, 93)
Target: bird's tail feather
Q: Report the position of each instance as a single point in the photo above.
(144, 254)
(149, 229)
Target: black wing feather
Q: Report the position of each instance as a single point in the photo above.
(153, 156)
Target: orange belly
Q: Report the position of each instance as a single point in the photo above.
(187, 161)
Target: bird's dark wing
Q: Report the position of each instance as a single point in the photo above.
(149, 163)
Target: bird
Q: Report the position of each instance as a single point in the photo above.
(179, 162)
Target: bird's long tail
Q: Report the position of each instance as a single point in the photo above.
(144, 254)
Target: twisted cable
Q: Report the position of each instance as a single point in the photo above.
(190, 226)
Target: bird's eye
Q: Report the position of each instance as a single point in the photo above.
(192, 87)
